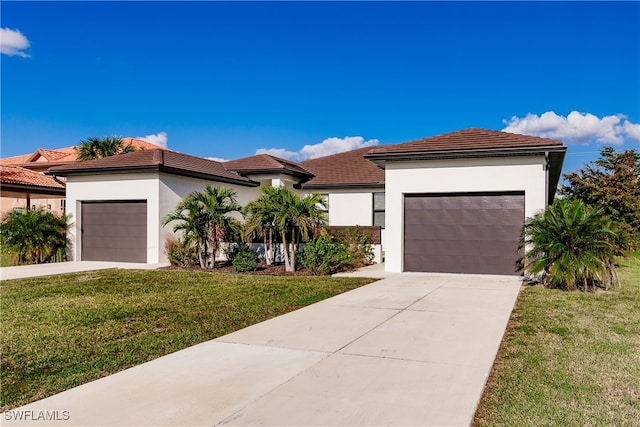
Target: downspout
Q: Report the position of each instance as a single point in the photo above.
(546, 179)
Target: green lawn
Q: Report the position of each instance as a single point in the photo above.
(569, 359)
(61, 331)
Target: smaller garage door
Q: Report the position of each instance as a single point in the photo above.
(463, 233)
(114, 231)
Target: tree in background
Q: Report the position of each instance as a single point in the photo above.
(95, 148)
(611, 183)
(34, 236)
(572, 244)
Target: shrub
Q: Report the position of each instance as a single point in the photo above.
(179, 253)
(358, 243)
(245, 260)
(571, 244)
(324, 255)
(233, 249)
(34, 236)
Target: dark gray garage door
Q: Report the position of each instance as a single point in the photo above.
(463, 233)
(114, 231)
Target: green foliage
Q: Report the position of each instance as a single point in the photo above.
(571, 244)
(245, 260)
(611, 183)
(203, 218)
(323, 255)
(180, 253)
(233, 249)
(95, 148)
(295, 219)
(358, 243)
(34, 236)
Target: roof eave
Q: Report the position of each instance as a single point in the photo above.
(349, 185)
(381, 158)
(151, 168)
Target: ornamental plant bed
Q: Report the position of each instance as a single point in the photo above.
(277, 269)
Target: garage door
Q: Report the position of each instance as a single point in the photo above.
(463, 233)
(114, 231)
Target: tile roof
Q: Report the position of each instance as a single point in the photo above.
(19, 175)
(67, 154)
(468, 139)
(265, 163)
(343, 169)
(157, 160)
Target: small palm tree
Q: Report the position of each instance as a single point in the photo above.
(571, 244)
(191, 223)
(216, 204)
(203, 218)
(297, 219)
(260, 220)
(95, 148)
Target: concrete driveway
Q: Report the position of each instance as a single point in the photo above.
(37, 270)
(411, 349)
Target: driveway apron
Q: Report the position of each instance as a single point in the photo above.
(411, 349)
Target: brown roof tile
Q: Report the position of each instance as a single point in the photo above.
(264, 163)
(18, 175)
(67, 154)
(156, 159)
(349, 168)
(468, 139)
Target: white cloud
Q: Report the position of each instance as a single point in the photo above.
(328, 146)
(632, 130)
(13, 42)
(217, 159)
(576, 128)
(159, 138)
(278, 152)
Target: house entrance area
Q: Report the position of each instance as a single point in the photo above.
(475, 233)
(114, 231)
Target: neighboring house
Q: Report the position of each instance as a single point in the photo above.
(39, 162)
(24, 189)
(450, 203)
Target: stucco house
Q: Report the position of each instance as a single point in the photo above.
(24, 185)
(450, 203)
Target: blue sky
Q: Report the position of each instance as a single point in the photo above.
(227, 80)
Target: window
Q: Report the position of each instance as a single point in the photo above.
(63, 205)
(378, 209)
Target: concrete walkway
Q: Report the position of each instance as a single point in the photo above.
(37, 270)
(411, 349)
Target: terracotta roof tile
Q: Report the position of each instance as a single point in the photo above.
(261, 163)
(68, 154)
(156, 159)
(349, 169)
(18, 175)
(468, 139)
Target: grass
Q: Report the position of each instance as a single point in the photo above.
(569, 358)
(62, 331)
(5, 259)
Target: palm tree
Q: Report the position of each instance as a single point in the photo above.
(216, 204)
(297, 219)
(571, 244)
(260, 219)
(191, 223)
(204, 219)
(95, 148)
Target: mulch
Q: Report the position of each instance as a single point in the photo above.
(262, 270)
